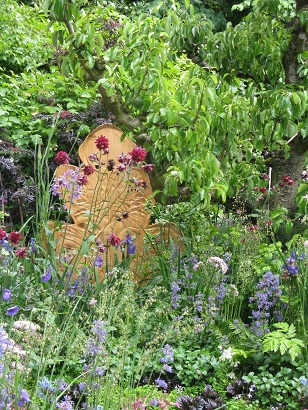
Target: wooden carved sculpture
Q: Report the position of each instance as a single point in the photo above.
(110, 204)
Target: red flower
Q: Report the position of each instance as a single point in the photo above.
(21, 253)
(88, 170)
(15, 237)
(124, 159)
(102, 143)
(138, 154)
(263, 190)
(113, 240)
(148, 167)
(62, 158)
(83, 180)
(2, 234)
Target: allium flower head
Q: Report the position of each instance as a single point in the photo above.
(219, 263)
(138, 154)
(102, 144)
(62, 158)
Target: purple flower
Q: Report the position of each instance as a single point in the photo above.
(95, 343)
(291, 263)
(168, 354)
(4, 340)
(70, 183)
(23, 397)
(131, 247)
(153, 402)
(167, 368)
(7, 294)
(12, 311)
(66, 404)
(98, 261)
(47, 276)
(161, 383)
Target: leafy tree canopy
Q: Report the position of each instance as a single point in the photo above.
(209, 103)
(212, 107)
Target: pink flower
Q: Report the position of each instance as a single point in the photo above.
(21, 253)
(113, 240)
(102, 144)
(15, 237)
(2, 234)
(148, 167)
(83, 180)
(138, 154)
(62, 158)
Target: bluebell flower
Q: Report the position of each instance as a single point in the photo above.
(12, 311)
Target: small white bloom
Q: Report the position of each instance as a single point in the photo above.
(227, 354)
(25, 325)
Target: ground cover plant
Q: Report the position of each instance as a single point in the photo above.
(217, 320)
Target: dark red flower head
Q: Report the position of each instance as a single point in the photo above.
(138, 154)
(62, 158)
(15, 237)
(2, 234)
(21, 253)
(83, 180)
(88, 170)
(148, 167)
(113, 240)
(102, 144)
